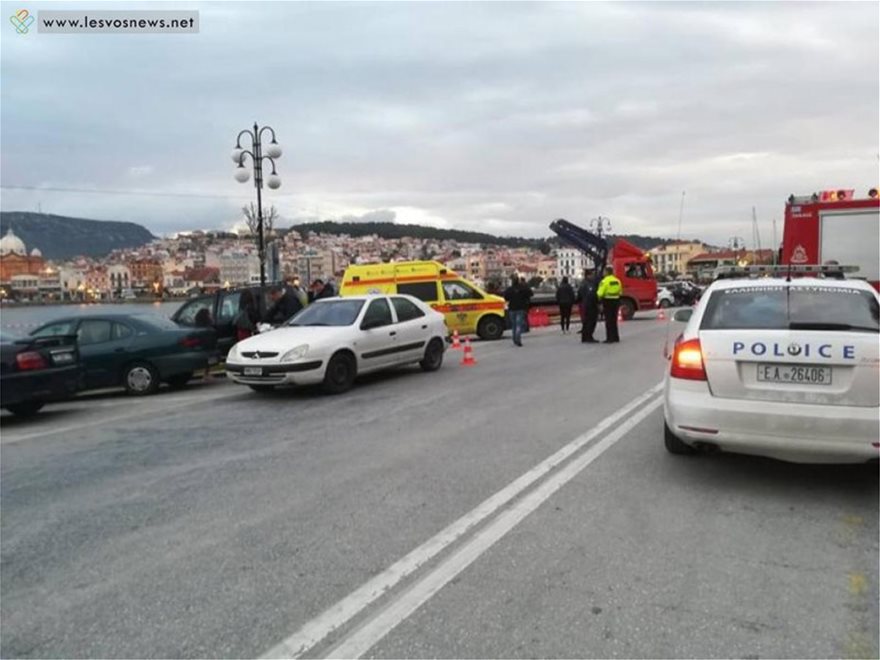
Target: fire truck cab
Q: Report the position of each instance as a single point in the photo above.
(834, 226)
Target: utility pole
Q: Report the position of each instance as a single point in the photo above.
(775, 244)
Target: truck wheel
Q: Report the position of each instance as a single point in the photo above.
(674, 444)
(627, 309)
(26, 408)
(490, 328)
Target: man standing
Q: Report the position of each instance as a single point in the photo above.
(518, 295)
(589, 305)
(285, 304)
(565, 300)
(609, 293)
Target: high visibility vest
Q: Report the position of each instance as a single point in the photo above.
(609, 288)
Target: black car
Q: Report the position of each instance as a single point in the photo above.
(217, 311)
(135, 351)
(37, 370)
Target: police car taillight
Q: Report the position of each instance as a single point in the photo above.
(687, 361)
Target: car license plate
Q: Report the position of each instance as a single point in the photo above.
(794, 374)
(62, 358)
(253, 371)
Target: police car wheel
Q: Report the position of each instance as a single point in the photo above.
(433, 359)
(673, 443)
(340, 374)
(490, 328)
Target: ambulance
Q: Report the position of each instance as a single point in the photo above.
(467, 308)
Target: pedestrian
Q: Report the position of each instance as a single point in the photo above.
(609, 293)
(321, 290)
(589, 306)
(517, 295)
(565, 299)
(285, 303)
(247, 317)
(297, 291)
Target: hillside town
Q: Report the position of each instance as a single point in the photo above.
(192, 262)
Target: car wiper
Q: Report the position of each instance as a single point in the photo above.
(823, 325)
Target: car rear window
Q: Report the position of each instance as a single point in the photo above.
(156, 321)
(792, 307)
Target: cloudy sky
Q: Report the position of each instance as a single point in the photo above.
(494, 117)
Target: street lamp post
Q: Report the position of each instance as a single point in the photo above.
(273, 151)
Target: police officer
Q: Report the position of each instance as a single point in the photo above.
(609, 293)
(589, 306)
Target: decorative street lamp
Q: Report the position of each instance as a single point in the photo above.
(600, 225)
(242, 174)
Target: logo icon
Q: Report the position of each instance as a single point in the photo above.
(794, 349)
(22, 21)
(799, 255)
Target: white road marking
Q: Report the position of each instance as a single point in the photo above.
(365, 637)
(316, 630)
(118, 418)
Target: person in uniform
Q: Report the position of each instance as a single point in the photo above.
(609, 294)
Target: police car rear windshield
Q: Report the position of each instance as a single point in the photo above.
(332, 313)
(792, 308)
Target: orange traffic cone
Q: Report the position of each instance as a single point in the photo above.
(467, 360)
(661, 315)
(456, 344)
(620, 318)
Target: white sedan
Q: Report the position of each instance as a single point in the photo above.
(785, 369)
(334, 340)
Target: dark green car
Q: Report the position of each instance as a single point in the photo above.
(135, 351)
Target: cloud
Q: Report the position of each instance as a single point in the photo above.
(485, 116)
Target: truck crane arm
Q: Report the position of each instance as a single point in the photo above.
(587, 242)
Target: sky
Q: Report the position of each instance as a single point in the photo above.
(495, 117)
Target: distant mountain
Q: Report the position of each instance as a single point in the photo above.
(389, 230)
(60, 237)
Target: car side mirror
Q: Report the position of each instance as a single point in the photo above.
(682, 315)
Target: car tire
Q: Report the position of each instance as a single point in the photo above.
(262, 389)
(490, 327)
(674, 444)
(140, 379)
(664, 303)
(179, 381)
(433, 359)
(340, 374)
(25, 409)
(627, 309)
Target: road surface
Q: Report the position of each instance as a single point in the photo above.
(524, 507)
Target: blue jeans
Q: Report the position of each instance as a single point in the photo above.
(517, 322)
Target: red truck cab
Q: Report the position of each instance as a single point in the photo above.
(636, 273)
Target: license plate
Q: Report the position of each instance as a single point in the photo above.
(253, 371)
(62, 358)
(794, 374)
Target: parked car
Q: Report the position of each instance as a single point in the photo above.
(35, 371)
(217, 311)
(665, 298)
(332, 341)
(135, 351)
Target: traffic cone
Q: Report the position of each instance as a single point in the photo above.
(661, 315)
(467, 360)
(620, 318)
(456, 344)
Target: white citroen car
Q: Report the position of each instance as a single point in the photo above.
(785, 369)
(334, 340)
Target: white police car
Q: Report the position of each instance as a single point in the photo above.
(785, 369)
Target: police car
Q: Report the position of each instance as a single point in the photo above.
(778, 367)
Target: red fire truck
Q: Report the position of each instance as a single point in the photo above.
(834, 226)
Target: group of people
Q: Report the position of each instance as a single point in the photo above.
(592, 297)
(287, 300)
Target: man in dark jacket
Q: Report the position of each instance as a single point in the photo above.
(518, 295)
(589, 304)
(565, 299)
(285, 304)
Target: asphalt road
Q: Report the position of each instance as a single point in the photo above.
(524, 507)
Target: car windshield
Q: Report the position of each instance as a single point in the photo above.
(331, 312)
(792, 308)
(156, 321)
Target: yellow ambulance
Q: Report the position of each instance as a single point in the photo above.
(467, 308)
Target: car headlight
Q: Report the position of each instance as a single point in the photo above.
(295, 353)
(233, 353)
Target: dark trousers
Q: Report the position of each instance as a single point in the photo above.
(590, 316)
(565, 315)
(609, 307)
